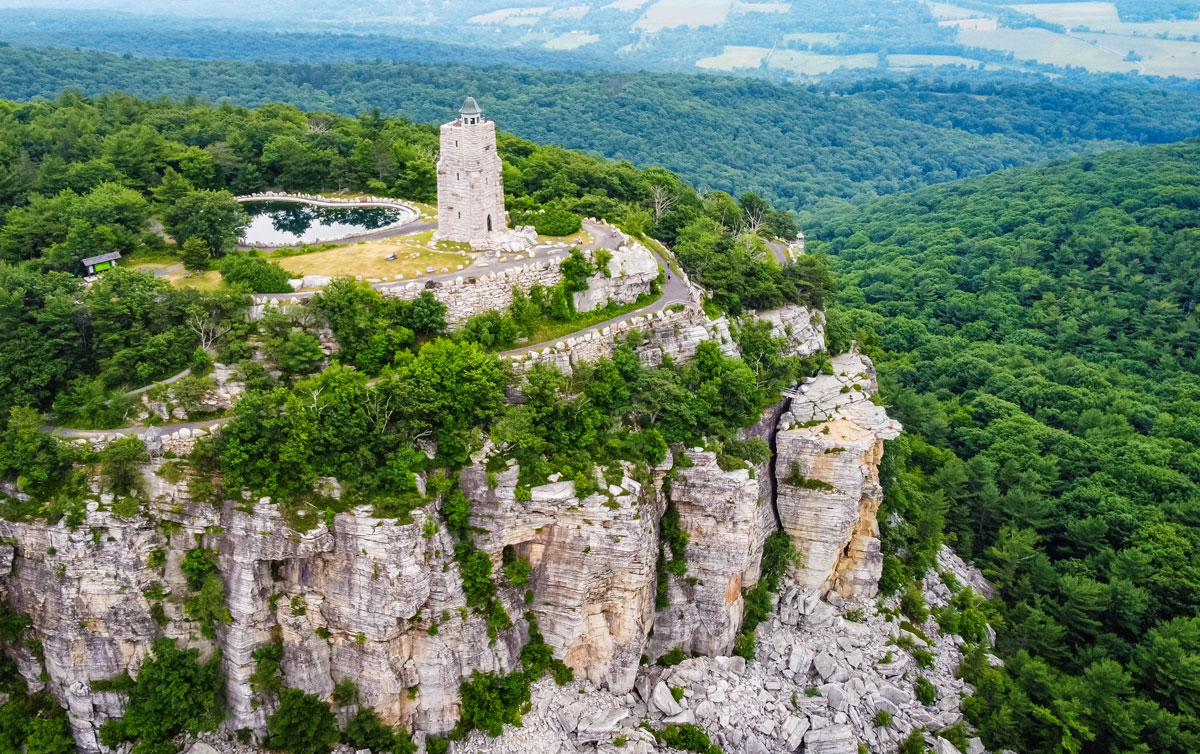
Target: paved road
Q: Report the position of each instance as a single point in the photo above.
(165, 429)
(780, 251)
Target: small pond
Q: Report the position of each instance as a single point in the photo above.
(290, 223)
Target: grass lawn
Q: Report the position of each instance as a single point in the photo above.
(209, 281)
(369, 259)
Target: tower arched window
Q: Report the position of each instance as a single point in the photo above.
(489, 223)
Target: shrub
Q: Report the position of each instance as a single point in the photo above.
(345, 693)
(196, 565)
(925, 690)
(883, 719)
(672, 657)
(489, 700)
(249, 272)
(517, 572)
(366, 731)
(914, 744)
(797, 479)
(207, 607)
(555, 221)
(265, 680)
(687, 737)
(912, 603)
(303, 724)
(743, 645)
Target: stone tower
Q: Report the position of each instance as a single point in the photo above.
(470, 187)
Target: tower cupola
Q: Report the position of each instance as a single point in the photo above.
(470, 112)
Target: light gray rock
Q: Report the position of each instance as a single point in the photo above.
(834, 739)
(664, 702)
(825, 665)
(942, 746)
(793, 731)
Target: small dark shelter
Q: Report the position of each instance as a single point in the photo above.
(100, 263)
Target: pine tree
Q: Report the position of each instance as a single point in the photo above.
(195, 254)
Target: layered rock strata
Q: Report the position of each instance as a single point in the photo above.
(593, 565)
(828, 450)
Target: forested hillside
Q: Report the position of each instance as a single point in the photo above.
(802, 148)
(1037, 334)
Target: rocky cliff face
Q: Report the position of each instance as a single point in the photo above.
(828, 447)
(381, 601)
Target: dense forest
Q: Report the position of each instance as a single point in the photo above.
(1037, 334)
(801, 148)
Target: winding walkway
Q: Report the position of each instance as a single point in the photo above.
(676, 290)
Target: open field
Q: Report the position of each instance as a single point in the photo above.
(917, 61)
(368, 259)
(671, 14)
(1103, 17)
(1047, 47)
(571, 11)
(1160, 57)
(812, 63)
(571, 41)
(626, 5)
(505, 14)
(761, 7)
(734, 56)
(948, 11)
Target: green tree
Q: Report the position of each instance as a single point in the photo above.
(303, 724)
(119, 462)
(195, 255)
(172, 693)
(213, 216)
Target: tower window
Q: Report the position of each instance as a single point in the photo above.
(459, 215)
(489, 223)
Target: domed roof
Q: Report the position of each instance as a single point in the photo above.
(470, 108)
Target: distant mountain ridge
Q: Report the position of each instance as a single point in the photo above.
(802, 147)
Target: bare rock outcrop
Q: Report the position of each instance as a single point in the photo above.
(593, 565)
(727, 517)
(829, 446)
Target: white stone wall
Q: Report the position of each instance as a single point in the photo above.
(470, 186)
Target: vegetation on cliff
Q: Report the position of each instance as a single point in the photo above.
(1037, 334)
